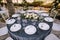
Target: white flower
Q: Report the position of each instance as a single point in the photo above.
(30, 16)
(24, 14)
(35, 17)
(27, 16)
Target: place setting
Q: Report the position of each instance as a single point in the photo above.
(15, 27)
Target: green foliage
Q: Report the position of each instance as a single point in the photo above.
(35, 3)
(38, 3)
(0, 1)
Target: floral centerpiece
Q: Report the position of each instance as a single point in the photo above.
(31, 16)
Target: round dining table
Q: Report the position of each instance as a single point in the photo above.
(21, 35)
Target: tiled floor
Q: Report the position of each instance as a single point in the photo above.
(3, 31)
(49, 37)
(56, 27)
(8, 38)
(2, 24)
(52, 37)
(55, 34)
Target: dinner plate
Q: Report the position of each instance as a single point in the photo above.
(15, 27)
(49, 19)
(44, 14)
(44, 26)
(30, 29)
(36, 11)
(15, 15)
(29, 11)
(22, 11)
(10, 21)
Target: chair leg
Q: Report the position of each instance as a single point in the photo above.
(3, 16)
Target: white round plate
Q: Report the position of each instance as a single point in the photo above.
(15, 27)
(11, 21)
(15, 15)
(36, 11)
(22, 11)
(44, 26)
(44, 14)
(30, 30)
(29, 10)
(42, 11)
(49, 19)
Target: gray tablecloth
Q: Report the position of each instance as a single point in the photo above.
(21, 35)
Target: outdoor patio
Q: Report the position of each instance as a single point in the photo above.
(30, 20)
